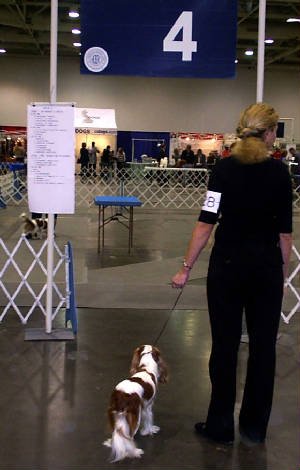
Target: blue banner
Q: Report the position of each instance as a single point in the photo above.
(159, 38)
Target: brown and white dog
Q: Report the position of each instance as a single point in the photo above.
(132, 401)
(34, 228)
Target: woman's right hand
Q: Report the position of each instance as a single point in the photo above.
(180, 279)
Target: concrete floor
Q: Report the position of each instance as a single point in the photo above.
(53, 395)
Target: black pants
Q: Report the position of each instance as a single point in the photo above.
(254, 286)
(92, 169)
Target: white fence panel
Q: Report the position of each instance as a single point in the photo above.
(291, 285)
(171, 188)
(20, 265)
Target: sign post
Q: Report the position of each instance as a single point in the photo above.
(53, 89)
(261, 51)
(51, 169)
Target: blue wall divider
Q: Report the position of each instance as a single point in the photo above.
(143, 143)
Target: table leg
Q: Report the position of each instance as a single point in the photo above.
(99, 220)
(130, 228)
(103, 207)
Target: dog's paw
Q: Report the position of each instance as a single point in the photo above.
(155, 429)
(149, 430)
(107, 443)
(137, 453)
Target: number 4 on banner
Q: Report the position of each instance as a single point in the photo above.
(187, 46)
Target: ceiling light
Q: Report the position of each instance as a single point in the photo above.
(77, 44)
(76, 31)
(293, 20)
(2, 51)
(269, 41)
(249, 52)
(73, 13)
(236, 61)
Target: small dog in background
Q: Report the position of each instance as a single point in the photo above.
(132, 401)
(35, 229)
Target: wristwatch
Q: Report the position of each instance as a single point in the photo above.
(186, 266)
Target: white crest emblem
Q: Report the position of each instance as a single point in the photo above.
(96, 59)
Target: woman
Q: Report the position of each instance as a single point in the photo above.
(84, 161)
(250, 196)
(121, 158)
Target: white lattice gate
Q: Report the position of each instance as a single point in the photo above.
(24, 272)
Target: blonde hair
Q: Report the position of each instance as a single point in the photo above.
(254, 121)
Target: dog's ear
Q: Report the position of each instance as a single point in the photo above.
(135, 360)
(163, 371)
(162, 366)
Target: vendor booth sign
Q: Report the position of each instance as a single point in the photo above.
(159, 38)
(95, 121)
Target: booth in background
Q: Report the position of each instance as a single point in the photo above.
(95, 125)
(139, 144)
(10, 138)
(207, 142)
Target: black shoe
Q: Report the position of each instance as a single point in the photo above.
(201, 429)
(252, 436)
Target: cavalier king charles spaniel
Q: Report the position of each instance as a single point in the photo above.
(34, 228)
(131, 403)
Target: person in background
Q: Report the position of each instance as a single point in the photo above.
(19, 152)
(161, 153)
(188, 158)
(277, 153)
(226, 152)
(93, 150)
(283, 155)
(121, 158)
(250, 197)
(106, 157)
(176, 156)
(217, 155)
(201, 159)
(295, 159)
(84, 161)
(211, 160)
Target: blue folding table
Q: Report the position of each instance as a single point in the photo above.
(116, 201)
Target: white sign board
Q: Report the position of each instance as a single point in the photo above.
(50, 158)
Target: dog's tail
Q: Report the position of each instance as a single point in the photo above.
(123, 415)
(122, 443)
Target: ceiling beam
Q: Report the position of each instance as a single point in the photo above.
(26, 26)
(245, 17)
(284, 54)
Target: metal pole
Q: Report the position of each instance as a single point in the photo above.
(261, 51)
(259, 94)
(50, 237)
